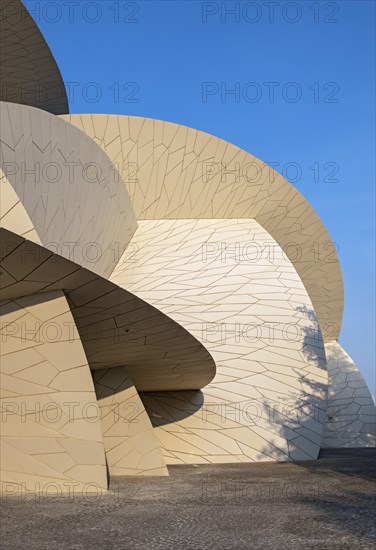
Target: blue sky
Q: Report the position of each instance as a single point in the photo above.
(151, 58)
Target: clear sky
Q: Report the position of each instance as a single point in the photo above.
(175, 60)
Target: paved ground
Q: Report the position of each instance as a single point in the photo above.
(327, 504)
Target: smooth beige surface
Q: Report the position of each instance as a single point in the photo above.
(28, 71)
(71, 191)
(116, 327)
(246, 303)
(175, 172)
(351, 411)
(131, 445)
(51, 438)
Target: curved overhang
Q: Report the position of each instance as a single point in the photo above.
(29, 74)
(176, 172)
(116, 327)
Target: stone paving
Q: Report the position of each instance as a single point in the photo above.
(325, 504)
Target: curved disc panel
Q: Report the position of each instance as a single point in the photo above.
(29, 73)
(351, 411)
(70, 189)
(47, 395)
(175, 172)
(116, 327)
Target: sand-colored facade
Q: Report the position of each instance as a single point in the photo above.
(166, 298)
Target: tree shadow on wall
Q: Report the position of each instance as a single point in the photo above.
(312, 341)
(171, 407)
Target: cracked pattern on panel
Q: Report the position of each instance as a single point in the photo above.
(351, 411)
(70, 189)
(130, 443)
(115, 327)
(143, 256)
(28, 70)
(44, 376)
(13, 215)
(252, 312)
(175, 172)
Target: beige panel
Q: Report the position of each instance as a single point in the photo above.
(230, 285)
(29, 73)
(116, 327)
(69, 187)
(130, 443)
(175, 172)
(13, 215)
(351, 412)
(51, 439)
